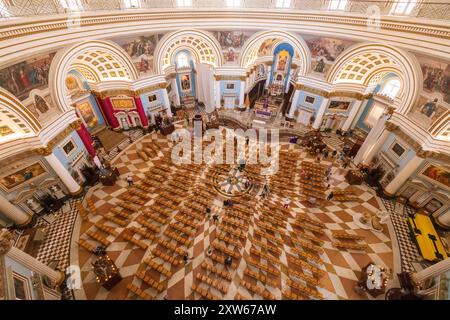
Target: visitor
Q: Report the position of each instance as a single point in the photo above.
(228, 261)
(209, 251)
(186, 257)
(208, 211)
(130, 181)
(345, 163)
(325, 153)
(330, 196)
(286, 203)
(333, 154)
(318, 159)
(247, 140)
(215, 218)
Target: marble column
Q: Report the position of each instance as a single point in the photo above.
(432, 271)
(351, 116)
(6, 248)
(13, 213)
(166, 102)
(141, 112)
(294, 104)
(108, 110)
(376, 146)
(65, 176)
(403, 175)
(217, 94)
(320, 113)
(242, 94)
(85, 137)
(173, 81)
(444, 219)
(358, 115)
(269, 68)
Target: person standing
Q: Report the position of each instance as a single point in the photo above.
(286, 203)
(330, 196)
(130, 180)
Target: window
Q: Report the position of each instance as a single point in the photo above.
(282, 3)
(337, 4)
(374, 114)
(4, 13)
(131, 4)
(184, 3)
(182, 60)
(233, 3)
(391, 88)
(403, 7)
(71, 5)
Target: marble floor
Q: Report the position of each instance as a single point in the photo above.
(341, 268)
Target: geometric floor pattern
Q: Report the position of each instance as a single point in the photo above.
(341, 267)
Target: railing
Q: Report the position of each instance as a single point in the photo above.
(429, 9)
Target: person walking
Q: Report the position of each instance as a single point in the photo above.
(286, 203)
(215, 218)
(130, 180)
(330, 196)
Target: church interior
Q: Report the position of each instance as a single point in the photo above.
(224, 150)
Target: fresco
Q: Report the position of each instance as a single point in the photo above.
(122, 103)
(231, 43)
(339, 105)
(21, 78)
(141, 50)
(324, 51)
(426, 111)
(436, 77)
(266, 47)
(87, 113)
(185, 82)
(19, 177)
(5, 130)
(437, 174)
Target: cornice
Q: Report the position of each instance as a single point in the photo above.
(331, 94)
(130, 93)
(219, 77)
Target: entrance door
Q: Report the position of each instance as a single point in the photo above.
(124, 123)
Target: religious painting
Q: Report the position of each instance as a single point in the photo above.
(398, 149)
(87, 113)
(324, 51)
(122, 103)
(266, 47)
(437, 174)
(310, 99)
(231, 43)
(230, 86)
(21, 287)
(282, 60)
(21, 78)
(5, 130)
(141, 51)
(185, 82)
(19, 177)
(69, 147)
(72, 84)
(339, 105)
(436, 76)
(152, 98)
(426, 111)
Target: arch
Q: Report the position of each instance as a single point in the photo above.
(16, 119)
(89, 58)
(204, 47)
(249, 52)
(362, 62)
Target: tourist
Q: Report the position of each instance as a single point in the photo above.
(333, 154)
(215, 218)
(186, 257)
(209, 251)
(330, 196)
(228, 261)
(208, 211)
(130, 180)
(286, 203)
(318, 159)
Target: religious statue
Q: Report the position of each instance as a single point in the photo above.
(33, 205)
(429, 108)
(320, 66)
(57, 192)
(40, 104)
(6, 241)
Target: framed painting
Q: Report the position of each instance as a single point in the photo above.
(152, 98)
(397, 149)
(87, 113)
(437, 174)
(16, 179)
(433, 205)
(122, 103)
(309, 99)
(339, 105)
(69, 147)
(21, 287)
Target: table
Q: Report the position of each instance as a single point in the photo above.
(426, 238)
(354, 177)
(372, 280)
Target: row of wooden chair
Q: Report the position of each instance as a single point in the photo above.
(130, 237)
(203, 293)
(155, 217)
(221, 260)
(309, 237)
(175, 236)
(91, 206)
(267, 226)
(267, 246)
(264, 234)
(307, 245)
(235, 223)
(305, 218)
(139, 193)
(265, 280)
(222, 236)
(98, 237)
(183, 229)
(187, 221)
(148, 225)
(86, 245)
(139, 292)
(82, 211)
(128, 206)
(192, 214)
(145, 187)
(307, 266)
(112, 218)
(158, 267)
(308, 279)
(168, 245)
(164, 203)
(307, 226)
(218, 284)
(221, 273)
(160, 209)
(150, 281)
(352, 246)
(339, 234)
(112, 231)
(143, 232)
(120, 213)
(218, 246)
(307, 256)
(273, 220)
(264, 293)
(234, 232)
(265, 256)
(236, 214)
(304, 289)
(262, 266)
(164, 256)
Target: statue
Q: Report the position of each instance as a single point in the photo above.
(33, 205)
(6, 241)
(40, 104)
(429, 108)
(320, 66)
(57, 192)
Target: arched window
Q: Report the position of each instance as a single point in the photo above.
(131, 4)
(233, 3)
(403, 7)
(283, 3)
(182, 60)
(391, 88)
(337, 4)
(184, 3)
(71, 5)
